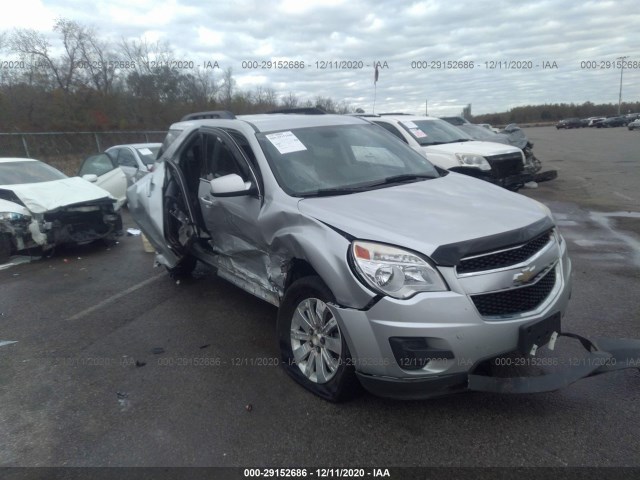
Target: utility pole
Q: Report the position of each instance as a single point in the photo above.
(426, 107)
(622, 59)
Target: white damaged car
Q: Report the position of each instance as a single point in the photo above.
(40, 207)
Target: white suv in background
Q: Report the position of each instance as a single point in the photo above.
(448, 147)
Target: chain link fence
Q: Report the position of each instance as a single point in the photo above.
(66, 150)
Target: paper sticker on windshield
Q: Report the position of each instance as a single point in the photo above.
(145, 151)
(410, 125)
(416, 132)
(286, 142)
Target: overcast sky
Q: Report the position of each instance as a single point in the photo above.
(536, 33)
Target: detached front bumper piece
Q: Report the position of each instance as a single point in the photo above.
(514, 181)
(603, 355)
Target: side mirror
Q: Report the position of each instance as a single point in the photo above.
(231, 185)
(90, 177)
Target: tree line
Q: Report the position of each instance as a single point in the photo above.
(83, 82)
(90, 83)
(554, 112)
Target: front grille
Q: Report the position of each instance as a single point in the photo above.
(506, 258)
(506, 165)
(71, 225)
(516, 300)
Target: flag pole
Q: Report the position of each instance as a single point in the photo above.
(375, 93)
(375, 86)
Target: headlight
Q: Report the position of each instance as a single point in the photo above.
(14, 217)
(473, 160)
(393, 271)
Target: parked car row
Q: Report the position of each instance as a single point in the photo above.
(635, 125)
(597, 122)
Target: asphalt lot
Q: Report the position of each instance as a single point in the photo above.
(83, 387)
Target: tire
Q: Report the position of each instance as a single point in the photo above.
(315, 337)
(5, 248)
(184, 268)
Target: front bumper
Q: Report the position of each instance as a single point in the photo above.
(446, 322)
(603, 355)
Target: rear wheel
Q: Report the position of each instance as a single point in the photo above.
(313, 349)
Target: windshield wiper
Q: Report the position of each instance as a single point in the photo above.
(461, 140)
(406, 177)
(328, 192)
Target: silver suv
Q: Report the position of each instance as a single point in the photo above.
(388, 272)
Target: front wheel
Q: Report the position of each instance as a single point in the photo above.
(312, 346)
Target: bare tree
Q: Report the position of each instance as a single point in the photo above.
(99, 62)
(147, 57)
(326, 103)
(73, 36)
(199, 87)
(261, 99)
(290, 101)
(35, 50)
(227, 88)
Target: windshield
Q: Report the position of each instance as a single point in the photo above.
(434, 132)
(341, 159)
(148, 154)
(15, 173)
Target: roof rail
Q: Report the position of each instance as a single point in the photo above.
(301, 110)
(363, 114)
(394, 113)
(210, 114)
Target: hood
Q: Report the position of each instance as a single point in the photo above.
(472, 147)
(12, 207)
(45, 196)
(423, 216)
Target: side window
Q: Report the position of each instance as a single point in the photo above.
(392, 129)
(126, 158)
(243, 143)
(192, 160)
(220, 161)
(96, 165)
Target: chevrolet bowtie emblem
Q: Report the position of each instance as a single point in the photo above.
(525, 276)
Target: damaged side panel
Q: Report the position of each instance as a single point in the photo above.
(255, 246)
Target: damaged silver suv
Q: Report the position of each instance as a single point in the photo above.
(388, 272)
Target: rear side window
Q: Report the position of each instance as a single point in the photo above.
(97, 165)
(168, 140)
(126, 158)
(392, 129)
